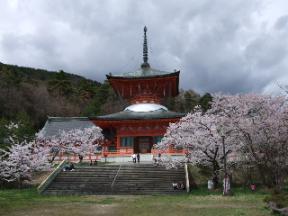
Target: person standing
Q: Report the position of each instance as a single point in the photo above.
(138, 157)
(134, 158)
(80, 158)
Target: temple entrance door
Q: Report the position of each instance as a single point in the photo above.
(143, 144)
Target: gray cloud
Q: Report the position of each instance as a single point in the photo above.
(229, 46)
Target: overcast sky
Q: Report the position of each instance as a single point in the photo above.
(228, 46)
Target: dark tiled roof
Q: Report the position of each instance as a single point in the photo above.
(143, 73)
(54, 125)
(129, 115)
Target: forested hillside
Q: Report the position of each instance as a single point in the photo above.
(35, 94)
(30, 95)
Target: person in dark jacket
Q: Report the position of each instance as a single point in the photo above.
(69, 167)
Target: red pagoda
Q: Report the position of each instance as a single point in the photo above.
(142, 124)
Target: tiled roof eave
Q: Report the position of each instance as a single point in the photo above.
(143, 77)
(133, 116)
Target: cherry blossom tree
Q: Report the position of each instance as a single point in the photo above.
(75, 141)
(20, 160)
(255, 128)
(8, 132)
(260, 124)
(18, 130)
(201, 135)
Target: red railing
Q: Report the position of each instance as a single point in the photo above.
(129, 152)
(75, 157)
(118, 153)
(168, 151)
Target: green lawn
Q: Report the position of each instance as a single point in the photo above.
(199, 202)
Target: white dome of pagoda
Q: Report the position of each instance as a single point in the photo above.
(146, 107)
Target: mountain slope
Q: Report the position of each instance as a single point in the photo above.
(40, 93)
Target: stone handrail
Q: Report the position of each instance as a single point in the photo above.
(281, 211)
(115, 177)
(187, 177)
(51, 177)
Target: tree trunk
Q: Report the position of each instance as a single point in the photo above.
(215, 178)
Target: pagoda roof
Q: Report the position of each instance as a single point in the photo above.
(146, 72)
(130, 115)
(55, 125)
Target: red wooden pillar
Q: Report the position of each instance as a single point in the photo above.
(118, 143)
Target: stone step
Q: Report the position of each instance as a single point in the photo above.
(122, 179)
(122, 170)
(77, 192)
(103, 189)
(119, 176)
(116, 179)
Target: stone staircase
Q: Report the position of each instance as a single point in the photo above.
(117, 179)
